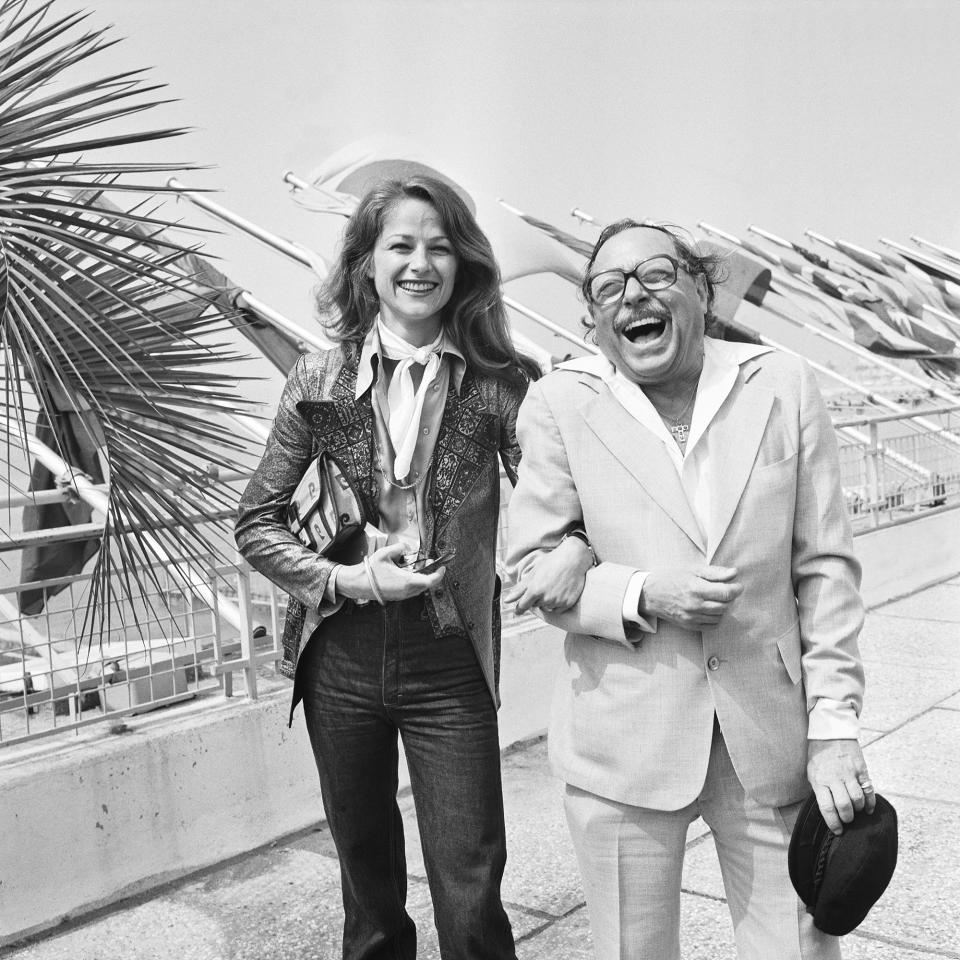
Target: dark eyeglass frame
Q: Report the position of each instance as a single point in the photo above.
(636, 276)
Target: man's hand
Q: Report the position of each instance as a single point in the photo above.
(553, 580)
(838, 774)
(690, 598)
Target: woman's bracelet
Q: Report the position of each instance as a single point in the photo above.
(374, 586)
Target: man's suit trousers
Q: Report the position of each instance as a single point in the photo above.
(631, 861)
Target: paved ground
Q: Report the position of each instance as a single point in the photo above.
(283, 901)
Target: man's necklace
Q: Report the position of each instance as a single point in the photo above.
(678, 426)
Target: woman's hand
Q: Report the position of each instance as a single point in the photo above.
(393, 582)
(553, 580)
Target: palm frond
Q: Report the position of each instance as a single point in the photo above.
(102, 311)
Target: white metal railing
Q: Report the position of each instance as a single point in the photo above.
(895, 473)
(159, 651)
(162, 647)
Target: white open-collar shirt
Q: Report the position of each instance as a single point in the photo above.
(695, 463)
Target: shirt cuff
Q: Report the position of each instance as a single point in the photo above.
(631, 600)
(330, 591)
(833, 720)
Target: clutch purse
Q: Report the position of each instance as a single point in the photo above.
(325, 514)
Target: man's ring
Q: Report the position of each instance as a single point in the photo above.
(866, 786)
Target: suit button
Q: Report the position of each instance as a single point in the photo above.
(456, 584)
(470, 624)
(713, 663)
(438, 594)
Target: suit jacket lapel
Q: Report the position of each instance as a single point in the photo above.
(643, 455)
(343, 426)
(735, 436)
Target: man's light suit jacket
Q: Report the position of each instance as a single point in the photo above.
(633, 708)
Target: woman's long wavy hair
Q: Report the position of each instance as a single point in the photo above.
(474, 318)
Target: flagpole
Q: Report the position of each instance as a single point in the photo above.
(770, 258)
(549, 324)
(247, 301)
(866, 355)
(950, 320)
(943, 251)
(772, 237)
(811, 290)
(302, 256)
(297, 183)
(916, 255)
(294, 251)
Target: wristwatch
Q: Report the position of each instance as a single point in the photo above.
(581, 535)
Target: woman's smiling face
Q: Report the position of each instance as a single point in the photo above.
(413, 268)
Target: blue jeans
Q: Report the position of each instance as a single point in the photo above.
(368, 673)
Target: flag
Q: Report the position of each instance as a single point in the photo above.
(867, 259)
(280, 348)
(520, 249)
(583, 247)
(747, 278)
(876, 336)
(761, 254)
(902, 322)
(77, 437)
(938, 269)
(812, 257)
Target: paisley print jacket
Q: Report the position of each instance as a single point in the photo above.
(318, 411)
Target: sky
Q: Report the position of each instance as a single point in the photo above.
(836, 115)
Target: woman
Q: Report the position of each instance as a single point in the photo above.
(414, 405)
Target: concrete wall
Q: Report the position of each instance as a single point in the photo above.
(910, 556)
(89, 820)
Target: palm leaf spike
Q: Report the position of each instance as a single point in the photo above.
(98, 314)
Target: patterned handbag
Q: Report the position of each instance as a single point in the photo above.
(325, 514)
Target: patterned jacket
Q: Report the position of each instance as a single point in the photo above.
(318, 411)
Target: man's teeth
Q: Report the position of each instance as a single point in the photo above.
(638, 328)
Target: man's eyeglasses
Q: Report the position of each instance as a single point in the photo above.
(657, 273)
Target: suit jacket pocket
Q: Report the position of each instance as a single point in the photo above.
(760, 468)
(788, 643)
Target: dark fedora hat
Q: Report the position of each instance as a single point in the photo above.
(841, 878)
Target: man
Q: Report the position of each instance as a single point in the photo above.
(712, 666)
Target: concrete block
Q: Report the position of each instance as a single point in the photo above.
(90, 821)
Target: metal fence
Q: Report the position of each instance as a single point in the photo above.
(163, 647)
(892, 470)
(168, 645)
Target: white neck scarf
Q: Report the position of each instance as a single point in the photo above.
(405, 404)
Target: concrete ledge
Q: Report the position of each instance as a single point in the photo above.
(909, 556)
(91, 820)
(87, 823)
